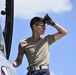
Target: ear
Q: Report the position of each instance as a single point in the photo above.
(34, 26)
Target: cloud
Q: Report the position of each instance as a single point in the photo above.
(28, 8)
(52, 73)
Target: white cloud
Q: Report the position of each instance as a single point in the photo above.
(28, 8)
(52, 73)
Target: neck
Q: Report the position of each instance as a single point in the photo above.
(35, 36)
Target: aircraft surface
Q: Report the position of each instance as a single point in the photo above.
(6, 68)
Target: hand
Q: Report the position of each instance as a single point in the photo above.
(48, 20)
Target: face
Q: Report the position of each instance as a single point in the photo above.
(40, 27)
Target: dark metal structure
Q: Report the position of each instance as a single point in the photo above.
(8, 30)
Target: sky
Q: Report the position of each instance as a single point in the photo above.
(62, 52)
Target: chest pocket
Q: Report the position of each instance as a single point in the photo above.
(30, 49)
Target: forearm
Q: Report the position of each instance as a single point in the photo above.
(49, 21)
(60, 29)
(16, 63)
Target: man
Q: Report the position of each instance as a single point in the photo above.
(36, 48)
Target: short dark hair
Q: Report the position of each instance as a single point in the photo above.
(36, 20)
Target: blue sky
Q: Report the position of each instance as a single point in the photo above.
(62, 52)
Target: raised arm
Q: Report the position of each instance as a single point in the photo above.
(61, 31)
